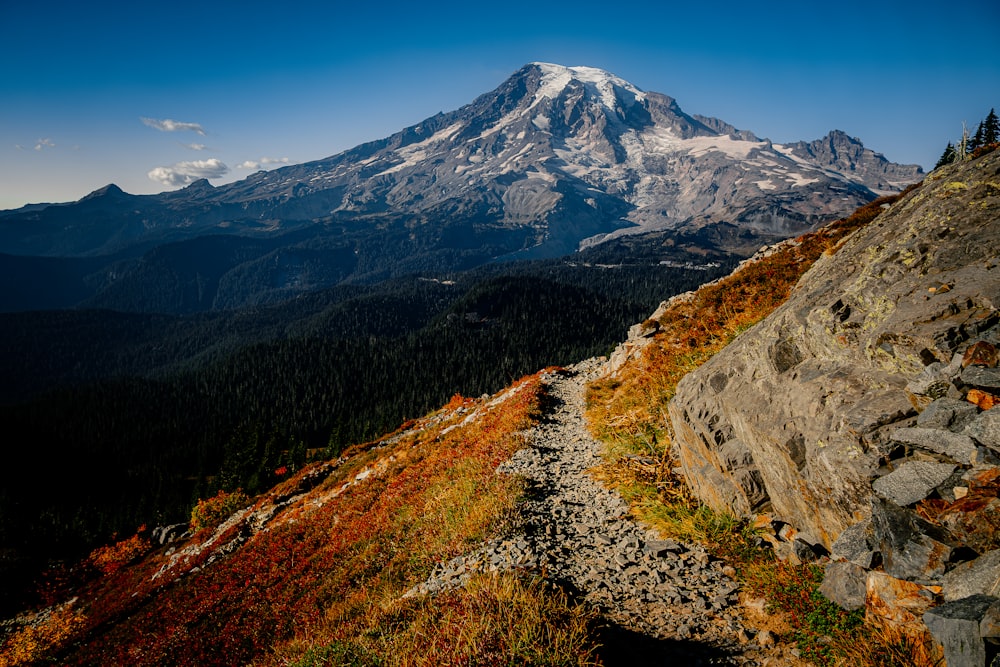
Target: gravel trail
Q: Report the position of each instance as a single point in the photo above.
(662, 600)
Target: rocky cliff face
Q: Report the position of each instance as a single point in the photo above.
(804, 412)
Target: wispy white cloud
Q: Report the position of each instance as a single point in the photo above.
(195, 147)
(185, 173)
(263, 162)
(168, 125)
(42, 144)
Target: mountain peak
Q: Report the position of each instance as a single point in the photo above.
(110, 190)
(555, 78)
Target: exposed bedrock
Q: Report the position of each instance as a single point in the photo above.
(799, 416)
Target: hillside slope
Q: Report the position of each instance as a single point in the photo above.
(473, 536)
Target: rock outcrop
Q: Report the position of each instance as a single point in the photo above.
(801, 413)
(857, 416)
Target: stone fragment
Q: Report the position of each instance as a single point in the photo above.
(948, 414)
(973, 521)
(661, 548)
(803, 552)
(956, 627)
(985, 429)
(982, 378)
(911, 547)
(845, 584)
(912, 482)
(981, 353)
(954, 487)
(765, 638)
(956, 446)
(984, 399)
(934, 376)
(976, 577)
(856, 544)
(899, 605)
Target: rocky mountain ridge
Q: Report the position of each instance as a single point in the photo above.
(554, 158)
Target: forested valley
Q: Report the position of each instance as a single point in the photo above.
(115, 420)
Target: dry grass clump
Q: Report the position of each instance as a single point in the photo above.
(497, 619)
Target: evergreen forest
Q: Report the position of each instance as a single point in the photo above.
(125, 419)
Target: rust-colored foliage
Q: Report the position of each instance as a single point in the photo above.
(368, 532)
(111, 558)
(210, 512)
(34, 641)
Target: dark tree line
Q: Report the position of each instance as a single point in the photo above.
(132, 418)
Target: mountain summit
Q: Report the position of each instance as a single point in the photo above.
(553, 159)
(574, 152)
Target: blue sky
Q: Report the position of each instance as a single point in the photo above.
(148, 95)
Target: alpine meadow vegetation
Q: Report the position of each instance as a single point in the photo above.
(323, 581)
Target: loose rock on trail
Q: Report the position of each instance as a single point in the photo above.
(661, 599)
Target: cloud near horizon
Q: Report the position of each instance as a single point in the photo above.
(168, 125)
(185, 173)
(257, 164)
(44, 143)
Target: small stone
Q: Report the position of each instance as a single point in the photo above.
(803, 551)
(856, 544)
(911, 547)
(985, 429)
(980, 576)
(913, 481)
(844, 584)
(765, 638)
(981, 377)
(956, 446)
(658, 548)
(981, 353)
(956, 627)
(947, 414)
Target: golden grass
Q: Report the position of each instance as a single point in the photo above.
(496, 619)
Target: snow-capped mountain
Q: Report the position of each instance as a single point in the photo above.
(575, 152)
(553, 159)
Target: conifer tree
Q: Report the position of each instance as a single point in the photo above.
(977, 139)
(991, 128)
(947, 157)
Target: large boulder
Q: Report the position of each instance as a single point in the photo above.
(799, 412)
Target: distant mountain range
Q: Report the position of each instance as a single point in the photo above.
(554, 159)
